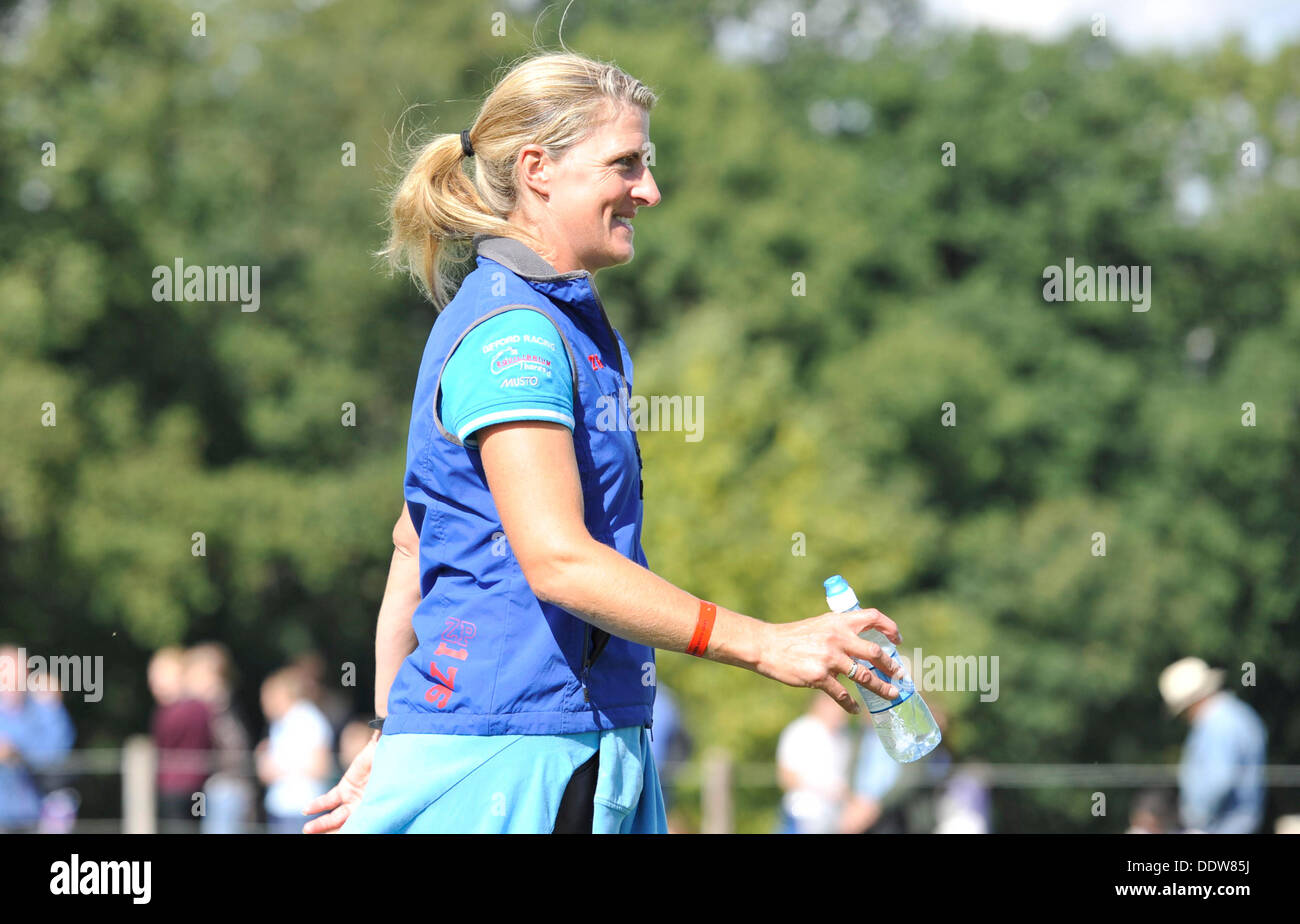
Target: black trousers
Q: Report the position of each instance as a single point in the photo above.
(578, 804)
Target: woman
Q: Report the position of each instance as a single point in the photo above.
(526, 704)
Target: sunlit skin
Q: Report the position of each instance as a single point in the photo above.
(574, 205)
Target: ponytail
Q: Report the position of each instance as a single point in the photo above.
(433, 215)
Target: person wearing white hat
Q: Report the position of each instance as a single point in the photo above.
(1221, 777)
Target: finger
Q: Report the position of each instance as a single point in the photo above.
(874, 619)
(836, 691)
(880, 687)
(871, 681)
(327, 824)
(864, 650)
(324, 802)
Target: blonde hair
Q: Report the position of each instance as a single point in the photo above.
(555, 100)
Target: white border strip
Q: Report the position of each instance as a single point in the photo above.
(513, 414)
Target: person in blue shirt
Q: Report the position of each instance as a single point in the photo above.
(671, 745)
(874, 777)
(1221, 776)
(515, 647)
(35, 734)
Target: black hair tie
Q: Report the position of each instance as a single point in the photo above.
(465, 146)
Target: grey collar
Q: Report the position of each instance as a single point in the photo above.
(519, 258)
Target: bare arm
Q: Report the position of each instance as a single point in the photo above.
(394, 636)
(533, 476)
(394, 640)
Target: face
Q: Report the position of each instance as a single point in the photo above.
(165, 679)
(275, 701)
(587, 198)
(201, 680)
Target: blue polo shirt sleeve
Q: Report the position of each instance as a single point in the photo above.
(877, 772)
(513, 366)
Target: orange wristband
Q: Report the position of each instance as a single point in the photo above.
(703, 629)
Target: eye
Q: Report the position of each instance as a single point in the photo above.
(629, 159)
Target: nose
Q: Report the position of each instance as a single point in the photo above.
(647, 191)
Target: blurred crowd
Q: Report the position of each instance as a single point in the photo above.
(834, 773)
(836, 779)
(210, 774)
(212, 778)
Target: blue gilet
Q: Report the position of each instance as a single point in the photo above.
(492, 658)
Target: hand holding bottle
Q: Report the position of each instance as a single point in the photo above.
(902, 719)
(812, 652)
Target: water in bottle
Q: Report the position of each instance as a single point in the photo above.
(904, 724)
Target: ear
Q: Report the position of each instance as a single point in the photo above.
(535, 169)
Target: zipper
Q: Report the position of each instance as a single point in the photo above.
(588, 658)
(640, 466)
(613, 339)
(604, 316)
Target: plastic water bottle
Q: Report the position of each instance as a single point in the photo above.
(904, 724)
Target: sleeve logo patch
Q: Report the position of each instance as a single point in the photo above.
(511, 360)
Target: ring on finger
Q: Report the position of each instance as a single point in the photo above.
(853, 671)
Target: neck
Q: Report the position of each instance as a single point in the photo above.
(1196, 709)
(543, 235)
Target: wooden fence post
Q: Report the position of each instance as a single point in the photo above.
(715, 793)
(139, 772)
